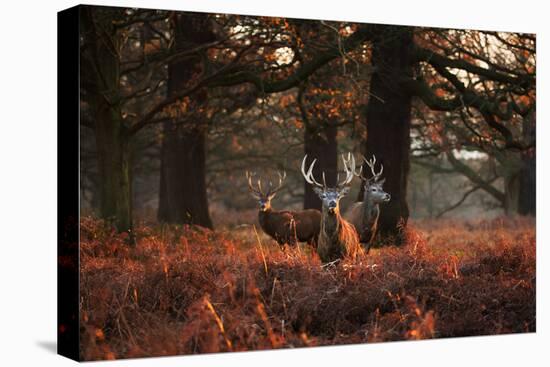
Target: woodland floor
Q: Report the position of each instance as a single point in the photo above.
(184, 290)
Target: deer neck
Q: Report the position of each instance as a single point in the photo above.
(263, 215)
(330, 223)
(371, 209)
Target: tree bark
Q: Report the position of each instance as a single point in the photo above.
(115, 191)
(320, 144)
(431, 195)
(183, 197)
(527, 203)
(388, 121)
(100, 67)
(511, 193)
(527, 186)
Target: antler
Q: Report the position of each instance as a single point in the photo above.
(371, 163)
(259, 191)
(279, 186)
(350, 171)
(349, 168)
(256, 191)
(308, 176)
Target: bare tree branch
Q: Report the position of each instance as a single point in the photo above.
(444, 62)
(227, 76)
(475, 178)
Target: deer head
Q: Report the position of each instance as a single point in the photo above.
(330, 196)
(373, 185)
(264, 198)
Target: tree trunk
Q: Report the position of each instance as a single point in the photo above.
(101, 72)
(183, 197)
(511, 193)
(320, 144)
(388, 118)
(182, 183)
(527, 203)
(113, 167)
(431, 195)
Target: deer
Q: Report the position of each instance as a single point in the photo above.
(364, 214)
(284, 226)
(338, 238)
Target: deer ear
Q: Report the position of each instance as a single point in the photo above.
(271, 196)
(318, 191)
(381, 182)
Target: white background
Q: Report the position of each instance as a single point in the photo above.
(28, 143)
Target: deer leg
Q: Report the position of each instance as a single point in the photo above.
(293, 235)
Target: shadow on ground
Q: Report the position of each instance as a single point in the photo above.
(50, 346)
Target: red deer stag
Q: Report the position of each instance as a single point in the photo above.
(284, 226)
(364, 215)
(338, 238)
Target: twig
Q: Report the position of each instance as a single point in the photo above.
(218, 322)
(261, 248)
(330, 264)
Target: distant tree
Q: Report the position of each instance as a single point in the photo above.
(479, 89)
(182, 191)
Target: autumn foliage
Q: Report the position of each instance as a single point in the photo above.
(184, 290)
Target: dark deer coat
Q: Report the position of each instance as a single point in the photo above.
(289, 227)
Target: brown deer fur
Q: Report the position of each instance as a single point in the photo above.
(365, 220)
(364, 215)
(337, 239)
(284, 226)
(291, 227)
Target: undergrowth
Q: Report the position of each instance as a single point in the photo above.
(185, 290)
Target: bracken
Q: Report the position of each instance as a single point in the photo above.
(186, 290)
